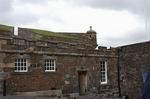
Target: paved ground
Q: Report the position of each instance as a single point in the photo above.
(19, 97)
(80, 97)
(23, 97)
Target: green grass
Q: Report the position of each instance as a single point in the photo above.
(5, 27)
(53, 34)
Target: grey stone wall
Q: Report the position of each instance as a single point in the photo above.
(133, 62)
(67, 66)
(76, 40)
(71, 57)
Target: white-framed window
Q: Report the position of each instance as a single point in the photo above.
(21, 65)
(103, 72)
(50, 65)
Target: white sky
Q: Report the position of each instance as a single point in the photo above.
(114, 25)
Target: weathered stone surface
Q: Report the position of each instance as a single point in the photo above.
(72, 57)
(6, 31)
(134, 61)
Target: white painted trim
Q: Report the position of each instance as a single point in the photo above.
(54, 65)
(106, 76)
(50, 70)
(21, 71)
(26, 66)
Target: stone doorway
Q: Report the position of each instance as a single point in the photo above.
(82, 82)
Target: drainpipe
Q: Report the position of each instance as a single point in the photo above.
(118, 69)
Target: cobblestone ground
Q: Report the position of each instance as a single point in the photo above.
(23, 97)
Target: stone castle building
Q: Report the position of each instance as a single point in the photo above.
(39, 62)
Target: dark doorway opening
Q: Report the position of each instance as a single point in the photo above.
(82, 82)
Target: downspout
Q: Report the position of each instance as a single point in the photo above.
(118, 73)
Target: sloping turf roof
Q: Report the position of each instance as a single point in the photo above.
(53, 34)
(5, 27)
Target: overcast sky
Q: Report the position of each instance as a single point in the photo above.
(117, 22)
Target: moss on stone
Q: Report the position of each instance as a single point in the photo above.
(53, 34)
(5, 27)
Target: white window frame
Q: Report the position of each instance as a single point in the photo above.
(50, 65)
(21, 65)
(103, 72)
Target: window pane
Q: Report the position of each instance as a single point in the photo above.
(25, 68)
(48, 68)
(22, 68)
(52, 68)
(49, 64)
(24, 64)
(18, 68)
(20, 64)
(103, 73)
